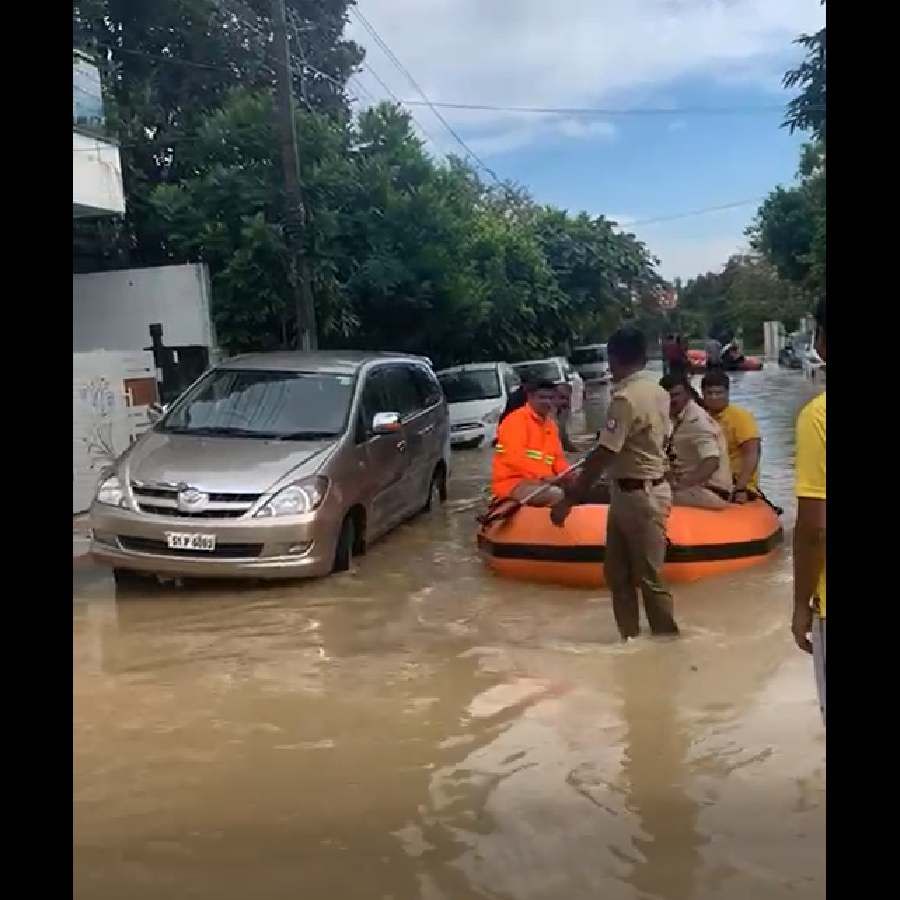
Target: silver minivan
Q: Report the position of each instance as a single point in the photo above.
(277, 465)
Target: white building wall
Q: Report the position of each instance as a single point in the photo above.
(96, 177)
(114, 310)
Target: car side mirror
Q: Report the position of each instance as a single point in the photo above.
(386, 423)
(156, 411)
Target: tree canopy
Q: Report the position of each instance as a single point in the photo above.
(406, 252)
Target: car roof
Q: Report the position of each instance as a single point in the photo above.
(533, 362)
(470, 367)
(337, 362)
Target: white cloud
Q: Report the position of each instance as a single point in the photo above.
(494, 143)
(677, 125)
(572, 53)
(575, 128)
(686, 257)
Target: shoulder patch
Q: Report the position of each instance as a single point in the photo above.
(611, 424)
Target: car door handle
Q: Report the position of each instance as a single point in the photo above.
(401, 446)
(427, 429)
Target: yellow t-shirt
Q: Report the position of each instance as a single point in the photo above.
(738, 426)
(810, 465)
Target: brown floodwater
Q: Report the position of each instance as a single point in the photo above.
(421, 729)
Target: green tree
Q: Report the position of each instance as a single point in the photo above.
(789, 228)
(746, 293)
(167, 64)
(806, 112)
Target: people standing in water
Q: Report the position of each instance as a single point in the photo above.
(528, 451)
(713, 353)
(700, 470)
(741, 435)
(808, 623)
(632, 449)
(675, 358)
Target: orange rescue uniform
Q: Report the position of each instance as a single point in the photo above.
(528, 449)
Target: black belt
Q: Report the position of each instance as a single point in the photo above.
(638, 484)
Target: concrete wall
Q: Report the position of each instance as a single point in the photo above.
(96, 177)
(114, 310)
(105, 418)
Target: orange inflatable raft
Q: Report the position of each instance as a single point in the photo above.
(702, 542)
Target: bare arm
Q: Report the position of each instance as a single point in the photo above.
(749, 463)
(809, 560)
(595, 464)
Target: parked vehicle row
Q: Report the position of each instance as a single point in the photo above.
(278, 465)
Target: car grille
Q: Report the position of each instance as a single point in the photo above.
(465, 426)
(160, 548)
(164, 502)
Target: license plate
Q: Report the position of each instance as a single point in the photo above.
(180, 541)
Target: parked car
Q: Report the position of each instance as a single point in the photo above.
(477, 394)
(590, 363)
(556, 369)
(277, 465)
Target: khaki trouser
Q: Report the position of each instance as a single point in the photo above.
(698, 497)
(635, 552)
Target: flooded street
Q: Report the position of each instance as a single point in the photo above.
(421, 729)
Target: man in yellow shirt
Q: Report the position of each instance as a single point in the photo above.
(741, 434)
(808, 624)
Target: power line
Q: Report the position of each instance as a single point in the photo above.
(393, 58)
(602, 111)
(171, 59)
(399, 102)
(695, 212)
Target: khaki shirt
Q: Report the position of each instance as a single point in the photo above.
(697, 437)
(637, 428)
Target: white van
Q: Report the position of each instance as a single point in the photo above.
(558, 370)
(476, 395)
(591, 363)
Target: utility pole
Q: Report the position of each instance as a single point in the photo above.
(299, 273)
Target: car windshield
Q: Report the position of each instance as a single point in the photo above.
(538, 371)
(264, 404)
(471, 384)
(583, 356)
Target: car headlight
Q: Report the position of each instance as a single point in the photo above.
(492, 417)
(110, 492)
(296, 499)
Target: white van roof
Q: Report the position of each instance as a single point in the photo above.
(471, 367)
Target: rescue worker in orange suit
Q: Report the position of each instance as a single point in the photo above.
(528, 450)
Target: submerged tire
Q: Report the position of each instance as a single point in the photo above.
(343, 552)
(437, 489)
(128, 577)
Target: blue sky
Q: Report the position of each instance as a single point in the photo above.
(622, 54)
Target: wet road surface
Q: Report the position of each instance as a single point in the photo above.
(421, 729)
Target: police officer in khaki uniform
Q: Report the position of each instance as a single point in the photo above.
(701, 472)
(632, 449)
